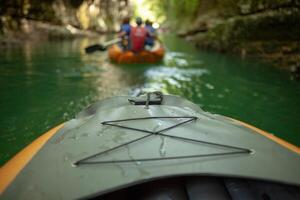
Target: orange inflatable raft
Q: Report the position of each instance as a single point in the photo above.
(117, 55)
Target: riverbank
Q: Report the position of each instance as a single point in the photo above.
(33, 30)
(58, 19)
(269, 32)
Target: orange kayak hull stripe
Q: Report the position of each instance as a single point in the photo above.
(13, 167)
(271, 137)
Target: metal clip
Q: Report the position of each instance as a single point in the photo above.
(150, 100)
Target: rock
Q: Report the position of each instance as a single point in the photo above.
(245, 8)
(271, 35)
(83, 14)
(287, 49)
(201, 28)
(295, 71)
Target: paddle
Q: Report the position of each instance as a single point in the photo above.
(101, 47)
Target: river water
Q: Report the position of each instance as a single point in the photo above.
(43, 84)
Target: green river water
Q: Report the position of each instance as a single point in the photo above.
(43, 84)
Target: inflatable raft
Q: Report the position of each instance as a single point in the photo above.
(153, 147)
(117, 55)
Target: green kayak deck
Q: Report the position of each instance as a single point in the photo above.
(114, 144)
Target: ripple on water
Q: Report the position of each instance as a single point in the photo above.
(173, 76)
(209, 86)
(180, 74)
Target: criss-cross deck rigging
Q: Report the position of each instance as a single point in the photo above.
(85, 161)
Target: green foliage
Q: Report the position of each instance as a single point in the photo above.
(175, 10)
(187, 10)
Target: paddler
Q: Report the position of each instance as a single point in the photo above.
(124, 33)
(138, 36)
(152, 33)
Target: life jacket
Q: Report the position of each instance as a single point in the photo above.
(150, 28)
(138, 36)
(126, 28)
(150, 39)
(125, 43)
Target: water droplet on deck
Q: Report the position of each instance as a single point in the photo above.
(84, 135)
(162, 149)
(73, 165)
(74, 137)
(138, 162)
(123, 171)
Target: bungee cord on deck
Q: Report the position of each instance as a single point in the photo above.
(84, 161)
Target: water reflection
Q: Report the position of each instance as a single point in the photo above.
(161, 78)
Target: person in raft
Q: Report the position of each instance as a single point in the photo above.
(152, 34)
(124, 33)
(138, 36)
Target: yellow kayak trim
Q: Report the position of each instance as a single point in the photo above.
(13, 167)
(271, 137)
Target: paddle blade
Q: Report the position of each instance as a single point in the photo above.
(93, 48)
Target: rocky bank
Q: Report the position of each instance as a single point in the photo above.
(34, 20)
(264, 29)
